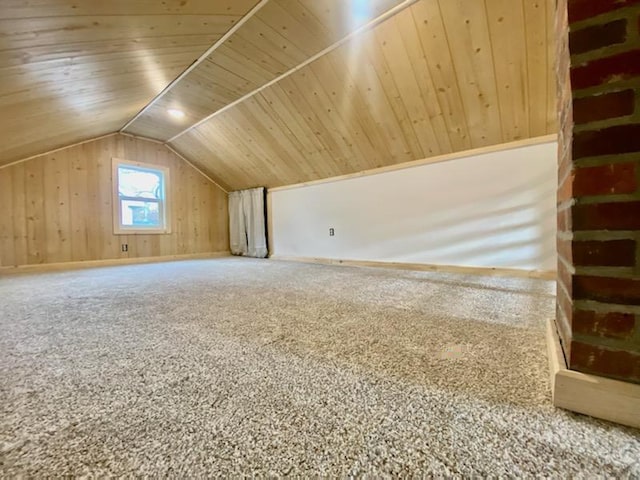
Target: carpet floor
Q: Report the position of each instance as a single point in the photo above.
(264, 368)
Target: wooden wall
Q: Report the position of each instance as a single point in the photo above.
(57, 207)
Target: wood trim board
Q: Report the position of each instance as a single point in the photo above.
(425, 161)
(491, 271)
(52, 267)
(591, 395)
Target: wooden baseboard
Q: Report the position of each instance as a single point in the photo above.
(591, 395)
(49, 267)
(491, 271)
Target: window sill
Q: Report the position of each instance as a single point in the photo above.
(124, 231)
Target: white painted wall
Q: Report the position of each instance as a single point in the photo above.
(491, 210)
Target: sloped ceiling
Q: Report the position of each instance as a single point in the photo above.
(75, 69)
(438, 77)
(291, 96)
(279, 36)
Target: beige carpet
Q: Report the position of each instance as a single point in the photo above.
(256, 367)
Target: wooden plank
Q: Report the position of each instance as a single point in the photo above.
(282, 121)
(89, 50)
(555, 357)
(434, 43)
(350, 87)
(52, 267)
(375, 103)
(80, 215)
(552, 103)
(343, 16)
(371, 48)
(539, 70)
(91, 160)
(488, 271)
(57, 246)
(68, 73)
(470, 43)
(592, 395)
(34, 201)
(267, 132)
(284, 100)
(508, 40)
(36, 31)
(108, 242)
(428, 99)
(598, 397)
(346, 142)
(402, 71)
(18, 178)
(343, 116)
(7, 255)
(16, 9)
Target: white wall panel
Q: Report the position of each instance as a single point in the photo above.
(490, 210)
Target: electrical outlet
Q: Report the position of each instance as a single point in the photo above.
(125, 247)
(332, 232)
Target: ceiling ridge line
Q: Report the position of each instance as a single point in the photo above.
(175, 152)
(195, 167)
(379, 19)
(197, 62)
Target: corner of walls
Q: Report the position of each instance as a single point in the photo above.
(56, 207)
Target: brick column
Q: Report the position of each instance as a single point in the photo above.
(598, 79)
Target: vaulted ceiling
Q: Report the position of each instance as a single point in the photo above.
(283, 91)
(75, 69)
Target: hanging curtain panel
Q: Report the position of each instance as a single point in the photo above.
(237, 230)
(247, 225)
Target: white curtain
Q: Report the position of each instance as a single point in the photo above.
(247, 223)
(237, 230)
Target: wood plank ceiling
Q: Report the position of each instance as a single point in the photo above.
(75, 69)
(277, 38)
(439, 76)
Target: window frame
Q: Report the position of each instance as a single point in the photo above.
(164, 205)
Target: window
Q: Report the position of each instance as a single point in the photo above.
(140, 201)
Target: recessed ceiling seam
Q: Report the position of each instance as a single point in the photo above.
(199, 60)
(389, 13)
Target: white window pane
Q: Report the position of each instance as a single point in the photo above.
(140, 214)
(133, 182)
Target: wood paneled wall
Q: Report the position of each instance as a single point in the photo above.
(57, 207)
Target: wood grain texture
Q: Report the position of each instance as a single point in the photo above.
(436, 78)
(75, 70)
(592, 395)
(278, 37)
(57, 207)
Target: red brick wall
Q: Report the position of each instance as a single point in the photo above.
(598, 79)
